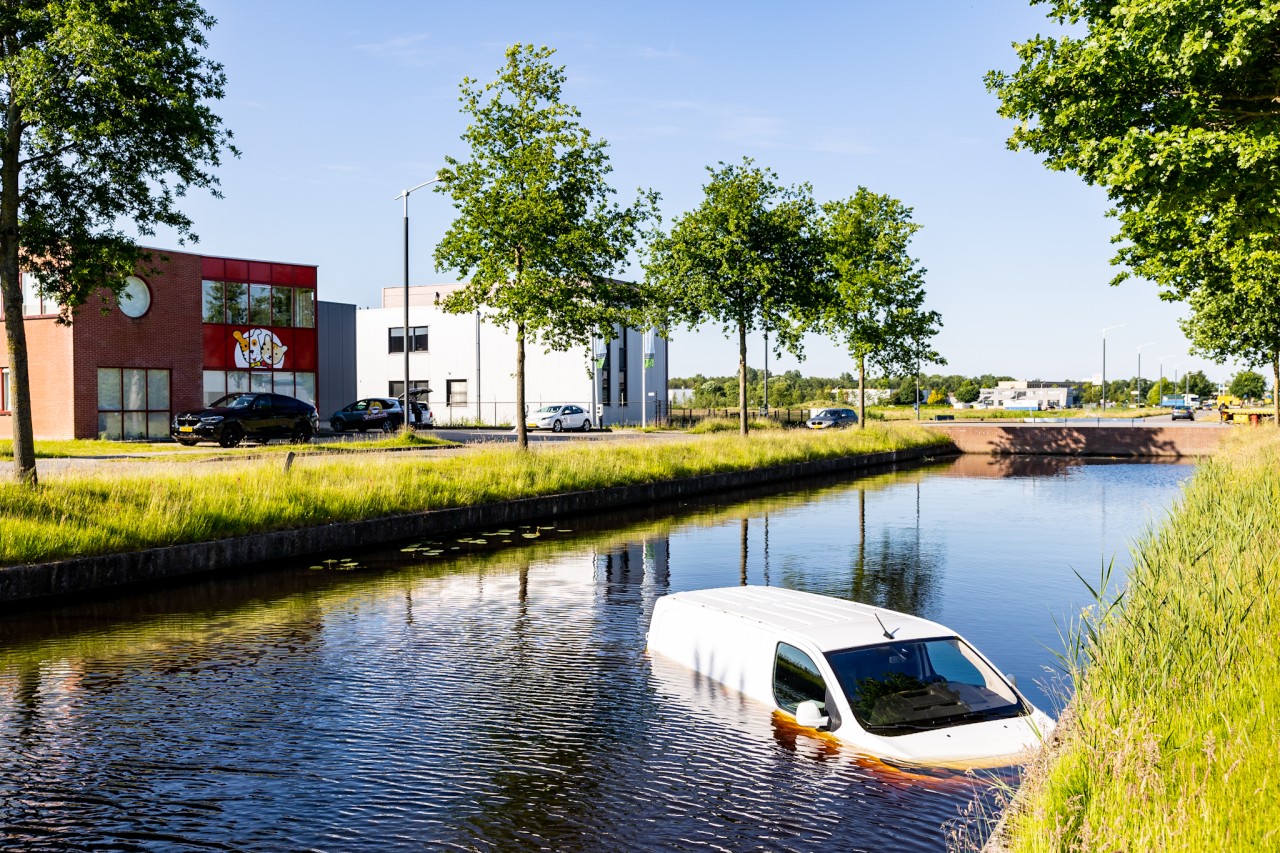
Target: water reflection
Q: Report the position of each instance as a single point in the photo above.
(480, 695)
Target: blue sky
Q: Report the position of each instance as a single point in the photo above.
(338, 108)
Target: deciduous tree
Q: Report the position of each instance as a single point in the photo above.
(876, 309)
(1239, 325)
(537, 236)
(106, 125)
(747, 258)
(1172, 108)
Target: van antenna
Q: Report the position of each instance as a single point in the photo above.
(887, 632)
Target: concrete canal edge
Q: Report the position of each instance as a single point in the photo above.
(87, 574)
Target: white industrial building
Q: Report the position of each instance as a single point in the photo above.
(1020, 394)
(469, 365)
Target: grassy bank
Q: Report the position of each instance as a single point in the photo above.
(170, 503)
(1172, 738)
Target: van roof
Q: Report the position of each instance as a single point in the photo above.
(830, 623)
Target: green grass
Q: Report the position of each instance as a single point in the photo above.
(97, 512)
(1171, 740)
(88, 448)
(710, 425)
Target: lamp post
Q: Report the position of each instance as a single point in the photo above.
(404, 194)
(1104, 363)
(1139, 348)
(1162, 358)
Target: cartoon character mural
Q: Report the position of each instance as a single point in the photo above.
(259, 348)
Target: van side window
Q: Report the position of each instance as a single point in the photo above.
(796, 679)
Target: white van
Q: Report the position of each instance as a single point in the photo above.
(891, 685)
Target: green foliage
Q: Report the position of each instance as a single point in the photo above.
(747, 258)
(1171, 107)
(537, 236)
(1166, 745)
(1161, 389)
(1248, 385)
(967, 393)
(876, 310)
(1197, 383)
(165, 504)
(107, 110)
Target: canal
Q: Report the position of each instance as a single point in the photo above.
(493, 693)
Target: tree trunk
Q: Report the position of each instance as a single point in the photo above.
(24, 453)
(1275, 386)
(742, 378)
(862, 392)
(522, 429)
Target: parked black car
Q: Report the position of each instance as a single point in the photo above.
(832, 419)
(235, 417)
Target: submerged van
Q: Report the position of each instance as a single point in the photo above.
(889, 684)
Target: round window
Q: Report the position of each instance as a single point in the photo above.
(135, 298)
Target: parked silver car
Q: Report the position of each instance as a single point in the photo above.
(559, 418)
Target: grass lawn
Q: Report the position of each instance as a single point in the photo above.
(1171, 740)
(98, 512)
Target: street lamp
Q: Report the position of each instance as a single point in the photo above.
(1162, 358)
(404, 194)
(1140, 346)
(1104, 363)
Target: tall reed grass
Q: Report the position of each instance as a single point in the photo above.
(99, 512)
(1171, 741)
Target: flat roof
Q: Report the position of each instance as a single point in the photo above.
(831, 623)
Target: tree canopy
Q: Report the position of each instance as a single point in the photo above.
(1248, 385)
(1171, 107)
(537, 235)
(876, 308)
(106, 125)
(1237, 325)
(747, 258)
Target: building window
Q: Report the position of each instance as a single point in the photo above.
(395, 389)
(4, 389)
(35, 304)
(304, 308)
(417, 339)
(133, 403)
(455, 392)
(218, 383)
(282, 306)
(260, 304)
(605, 398)
(135, 298)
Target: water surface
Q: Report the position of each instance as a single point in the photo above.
(496, 695)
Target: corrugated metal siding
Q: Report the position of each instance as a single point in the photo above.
(336, 328)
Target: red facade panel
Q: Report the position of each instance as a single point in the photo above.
(305, 349)
(305, 277)
(213, 269)
(236, 271)
(259, 273)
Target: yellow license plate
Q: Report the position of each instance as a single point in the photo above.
(186, 429)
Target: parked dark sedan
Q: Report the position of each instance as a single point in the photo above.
(382, 413)
(832, 418)
(235, 417)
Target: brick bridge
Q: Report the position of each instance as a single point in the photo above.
(1068, 439)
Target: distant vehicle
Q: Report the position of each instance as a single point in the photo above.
(832, 419)
(1183, 413)
(379, 413)
(1171, 400)
(235, 417)
(887, 683)
(1023, 405)
(559, 418)
(421, 416)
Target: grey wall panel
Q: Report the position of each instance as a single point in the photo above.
(336, 341)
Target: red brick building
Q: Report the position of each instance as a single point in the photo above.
(194, 330)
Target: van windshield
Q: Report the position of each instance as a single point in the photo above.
(898, 688)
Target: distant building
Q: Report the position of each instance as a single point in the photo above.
(467, 365)
(875, 396)
(189, 329)
(1020, 394)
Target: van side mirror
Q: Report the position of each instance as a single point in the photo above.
(809, 714)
